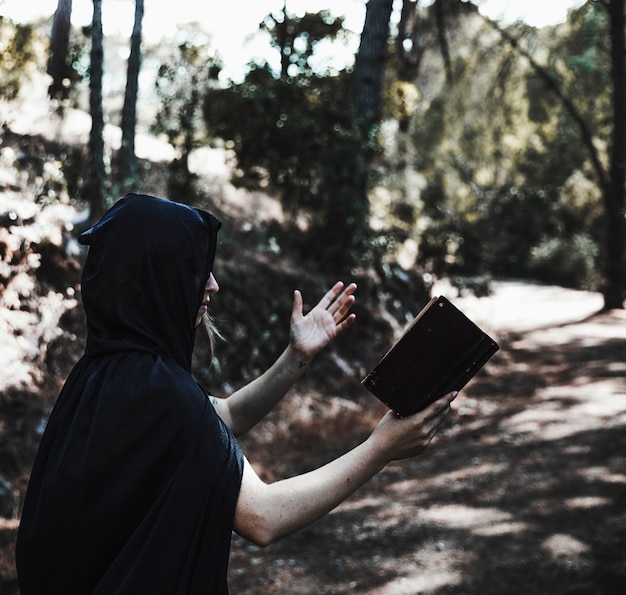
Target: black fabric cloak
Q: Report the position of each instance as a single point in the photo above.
(134, 487)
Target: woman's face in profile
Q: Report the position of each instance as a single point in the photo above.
(210, 287)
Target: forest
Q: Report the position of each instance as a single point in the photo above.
(454, 154)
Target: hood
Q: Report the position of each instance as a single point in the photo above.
(144, 277)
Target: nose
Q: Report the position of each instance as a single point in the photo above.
(211, 285)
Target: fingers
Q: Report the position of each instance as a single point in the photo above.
(434, 415)
(440, 406)
(346, 322)
(330, 295)
(296, 311)
(432, 424)
(341, 302)
(405, 437)
(337, 302)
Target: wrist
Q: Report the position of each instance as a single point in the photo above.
(296, 359)
(375, 454)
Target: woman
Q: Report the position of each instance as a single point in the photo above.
(139, 479)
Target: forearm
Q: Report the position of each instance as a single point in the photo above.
(267, 512)
(247, 406)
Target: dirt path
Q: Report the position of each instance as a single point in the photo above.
(523, 491)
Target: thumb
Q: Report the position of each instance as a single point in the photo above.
(296, 312)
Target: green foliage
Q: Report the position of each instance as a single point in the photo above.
(296, 39)
(512, 232)
(17, 55)
(571, 262)
(181, 84)
(297, 137)
(579, 59)
(509, 189)
(295, 134)
(76, 83)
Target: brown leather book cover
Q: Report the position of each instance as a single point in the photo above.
(441, 351)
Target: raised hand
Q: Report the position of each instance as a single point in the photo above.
(311, 333)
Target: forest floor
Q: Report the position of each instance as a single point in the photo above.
(521, 492)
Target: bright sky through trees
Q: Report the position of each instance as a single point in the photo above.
(233, 24)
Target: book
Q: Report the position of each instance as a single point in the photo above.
(439, 352)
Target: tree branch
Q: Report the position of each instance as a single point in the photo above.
(553, 85)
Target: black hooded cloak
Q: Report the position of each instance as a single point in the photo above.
(134, 487)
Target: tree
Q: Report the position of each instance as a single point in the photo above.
(296, 39)
(67, 58)
(614, 285)
(58, 68)
(507, 186)
(295, 134)
(367, 84)
(182, 82)
(429, 105)
(610, 180)
(94, 189)
(370, 61)
(17, 53)
(415, 30)
(127, 157)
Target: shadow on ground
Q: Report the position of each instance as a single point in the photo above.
(523, 491)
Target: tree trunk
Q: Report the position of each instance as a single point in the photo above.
(352, 206)
(59, 42)
(127, 158)
(440, 15)
(369, 69)
(370, 61)
(613, 290)
(94, 188)
(281, 36)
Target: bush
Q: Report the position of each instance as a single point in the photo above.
(568, 262)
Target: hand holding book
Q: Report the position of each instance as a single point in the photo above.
(440, 352)
(399, 438)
